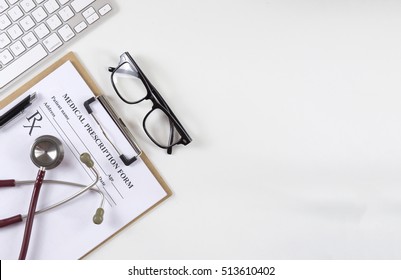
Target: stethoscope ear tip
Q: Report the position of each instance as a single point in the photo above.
(98, 217)
(87, 160)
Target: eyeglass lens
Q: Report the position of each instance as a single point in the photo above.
(127, 83)
(158, 126)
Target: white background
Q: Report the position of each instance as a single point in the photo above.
(293, 107)
(220, 269)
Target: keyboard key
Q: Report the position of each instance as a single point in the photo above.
(51, 6)
(20, 65)
(27, 5)
(41, 31)
(105, 9)
(14, 31)
(88, 12)
(13, 1)
(52, 42)
(27, 23)
(29, 39)
(3, 6)
(79, 5)
(39, 14)
(66, 13)
(66, 32)
(53, 22)
(4, 22)
(15, 13)
(92, 18)
(5, 57)
(4, 40)
(81, 26)
(17, 48)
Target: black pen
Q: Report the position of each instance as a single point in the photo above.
(17, 109)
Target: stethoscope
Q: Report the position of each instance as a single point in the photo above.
(47, 152)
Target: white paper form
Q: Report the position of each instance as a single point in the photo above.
(68, 232)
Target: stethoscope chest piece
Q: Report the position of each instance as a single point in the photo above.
(47, 151)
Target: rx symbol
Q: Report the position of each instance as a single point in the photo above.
(37, 117)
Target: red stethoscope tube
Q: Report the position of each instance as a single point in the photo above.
(14, 219)
(7, 183)
(31, 213)
(9, 221)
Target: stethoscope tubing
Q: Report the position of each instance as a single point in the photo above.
(31, 213)
(76, 194)
(19, 218)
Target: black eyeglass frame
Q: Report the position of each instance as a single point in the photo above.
(158, 103)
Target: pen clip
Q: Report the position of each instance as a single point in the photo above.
(16, 110)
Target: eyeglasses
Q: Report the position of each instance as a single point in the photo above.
(160, 123)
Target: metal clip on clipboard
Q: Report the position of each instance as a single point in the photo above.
(120, 125)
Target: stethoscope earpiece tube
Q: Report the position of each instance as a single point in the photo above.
(87, 160)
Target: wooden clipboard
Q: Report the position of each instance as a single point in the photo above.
(95, 89)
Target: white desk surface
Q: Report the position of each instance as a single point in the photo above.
(294, 108)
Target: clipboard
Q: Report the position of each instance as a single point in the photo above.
(97, 92)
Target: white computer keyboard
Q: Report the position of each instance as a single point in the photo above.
(31, 30)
